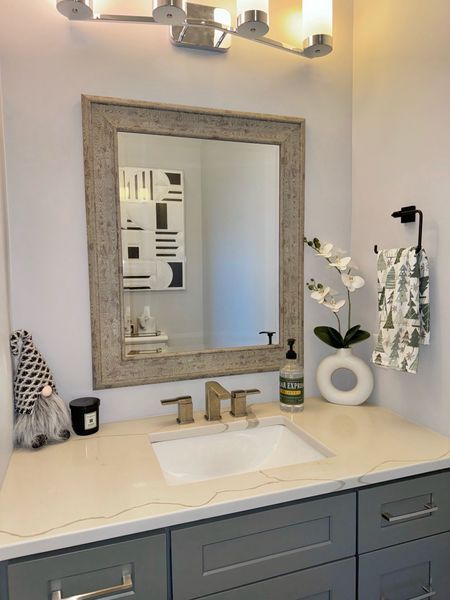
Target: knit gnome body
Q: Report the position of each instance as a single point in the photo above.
(41, 415)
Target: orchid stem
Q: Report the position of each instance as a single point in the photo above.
(339, 322)
(349, 309)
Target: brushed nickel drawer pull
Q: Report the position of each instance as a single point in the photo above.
(428, 509)
(127, 584)
(428, 594)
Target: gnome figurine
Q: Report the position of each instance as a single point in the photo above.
(41, 415)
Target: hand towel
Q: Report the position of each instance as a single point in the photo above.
(403, 308)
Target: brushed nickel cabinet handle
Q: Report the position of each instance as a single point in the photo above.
(127, 584)
(428, 509)
(428, 594)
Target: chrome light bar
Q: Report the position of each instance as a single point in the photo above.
(196, 26)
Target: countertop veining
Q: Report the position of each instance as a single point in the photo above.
(110, 484)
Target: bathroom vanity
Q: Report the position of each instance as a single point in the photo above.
(368, 520)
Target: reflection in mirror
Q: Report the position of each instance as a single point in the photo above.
(200, 240)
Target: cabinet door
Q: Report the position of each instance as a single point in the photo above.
(412, 571)
(129, 569)
(335, 581)
(228, 553)
(403, 511)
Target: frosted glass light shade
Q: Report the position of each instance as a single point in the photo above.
(221, 15)
(243, 5)
(317, 17)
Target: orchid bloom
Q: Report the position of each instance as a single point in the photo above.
(340, 263)
(352, 282)
(325, 251)
(334, 305)
(320, 294)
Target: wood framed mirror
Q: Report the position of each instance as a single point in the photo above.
(195, 234)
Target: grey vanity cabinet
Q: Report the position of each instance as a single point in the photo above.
(305, 550)
(232, 552)
(412, 571)
(135, 569)
(402, 511)
(335, 581)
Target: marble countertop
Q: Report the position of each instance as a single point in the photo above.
(110, 484)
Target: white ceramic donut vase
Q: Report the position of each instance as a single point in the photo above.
(344, 359)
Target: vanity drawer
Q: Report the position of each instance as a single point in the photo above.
(232, 552)
(336, 581)
(133, 569)
(414, 570)
(403, 511)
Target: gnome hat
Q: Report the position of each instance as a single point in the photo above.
(32, 372)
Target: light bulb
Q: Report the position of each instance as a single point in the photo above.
(253, 17)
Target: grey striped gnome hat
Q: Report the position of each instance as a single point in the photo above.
(32, 372)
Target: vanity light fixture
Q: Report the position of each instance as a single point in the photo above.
(210, 28)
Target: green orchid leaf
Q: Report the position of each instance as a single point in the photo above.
(358, 337)
(350, 333)
(330, 336)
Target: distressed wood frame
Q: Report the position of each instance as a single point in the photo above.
(103, 118)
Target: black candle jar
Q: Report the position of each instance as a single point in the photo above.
(84, 412)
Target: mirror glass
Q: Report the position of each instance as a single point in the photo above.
(199, 242)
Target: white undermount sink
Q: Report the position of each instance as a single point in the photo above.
(220, 450)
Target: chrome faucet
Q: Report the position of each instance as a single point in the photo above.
(214, 393)
(185, 410)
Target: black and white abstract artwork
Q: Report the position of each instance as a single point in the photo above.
(153, 231)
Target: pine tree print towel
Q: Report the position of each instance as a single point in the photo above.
(403, 308)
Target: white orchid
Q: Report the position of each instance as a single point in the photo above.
(320, 294)
(352, 282)
(334, 305)
(325, 250)
(340, 263)
(326, 296)
(353, 266)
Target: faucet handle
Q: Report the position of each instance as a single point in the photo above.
(185, 409)
(239, 401)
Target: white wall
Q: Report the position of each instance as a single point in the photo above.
(6, 397)
(240, 189)
(401, 156)
(47, 63)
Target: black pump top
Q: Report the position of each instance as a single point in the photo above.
(291, 354)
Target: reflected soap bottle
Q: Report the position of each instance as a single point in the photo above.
(291, 382)
(147, 323)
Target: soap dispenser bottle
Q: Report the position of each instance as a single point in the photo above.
(291, 382)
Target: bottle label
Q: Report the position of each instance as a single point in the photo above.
(90, 421)
(291, 391)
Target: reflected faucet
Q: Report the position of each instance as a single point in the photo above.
(214, 393)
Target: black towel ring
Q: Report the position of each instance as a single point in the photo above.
(407, 214)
